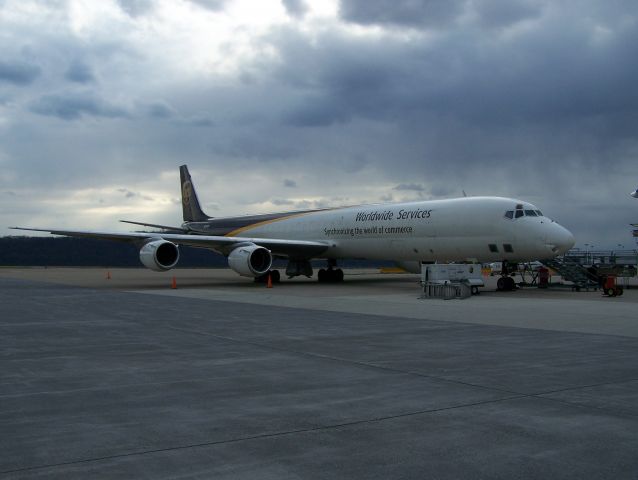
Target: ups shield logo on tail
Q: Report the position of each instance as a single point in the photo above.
(187, 189)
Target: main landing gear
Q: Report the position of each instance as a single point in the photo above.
(330, 275)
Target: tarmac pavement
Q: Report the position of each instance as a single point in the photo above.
(226, 379)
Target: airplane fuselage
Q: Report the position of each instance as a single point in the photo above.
(470, 228)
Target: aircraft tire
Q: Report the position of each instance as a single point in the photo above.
(338, 275)
(322, 275)
(275, 276)
(505, 284)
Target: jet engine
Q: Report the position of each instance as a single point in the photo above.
(250, 260)
(159, 255)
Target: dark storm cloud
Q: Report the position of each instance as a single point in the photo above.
(500, 13)
(411, 13)
(199, 121)
(72, 107)
(160, 110)
(19, 73)
(79, 72)
(295, 8)
(316, 112)
(527, 82)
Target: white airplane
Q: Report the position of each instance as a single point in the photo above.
(634, 193)
(481, 229)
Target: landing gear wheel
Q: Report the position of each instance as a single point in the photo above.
(322, 275)
(330, 275)
(505, 284)
(275, 276)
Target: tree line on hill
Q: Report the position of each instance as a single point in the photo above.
(89, 252)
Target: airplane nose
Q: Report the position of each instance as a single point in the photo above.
(560, 240)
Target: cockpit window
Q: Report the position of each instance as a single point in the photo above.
(520, 212)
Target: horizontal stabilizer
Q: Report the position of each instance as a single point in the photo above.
(153, 225)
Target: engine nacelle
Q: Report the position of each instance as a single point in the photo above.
(159, 255)
(250, 260)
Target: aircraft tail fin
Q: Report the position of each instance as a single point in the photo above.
(191, 209)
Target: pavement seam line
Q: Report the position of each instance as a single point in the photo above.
(346, 361)
(267, 435)
(536, 395)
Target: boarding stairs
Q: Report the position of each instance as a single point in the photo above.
(572, 271)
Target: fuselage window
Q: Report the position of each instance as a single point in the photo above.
(493, 248)
(519, 213)
(530, 213)
(539, 213)
(508, 248)
(509, 214)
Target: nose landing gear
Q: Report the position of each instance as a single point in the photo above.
(506, 283)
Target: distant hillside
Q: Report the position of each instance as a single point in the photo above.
(86, 252)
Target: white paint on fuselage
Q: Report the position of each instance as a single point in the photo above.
(454, 230)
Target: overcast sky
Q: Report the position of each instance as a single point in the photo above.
(285, 104)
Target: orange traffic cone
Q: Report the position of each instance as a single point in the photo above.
(269, 284)
(108, 275)
(174, 283)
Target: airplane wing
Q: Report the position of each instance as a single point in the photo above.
(288, 248)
